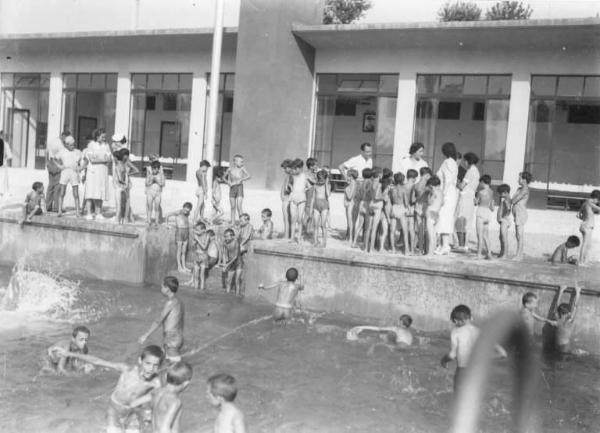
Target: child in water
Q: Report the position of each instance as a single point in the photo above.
(589, 208)
(232, 263)
(399, 334)
(565, 314)
(561, 253)
(55, 363)
(287, 291)
(221, 393)
(182, 234)
(528, 312)
(171, 320)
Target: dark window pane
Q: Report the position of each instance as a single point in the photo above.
(475, 85)
(155, 81)
(169, 101)
(588, 114)
(499, 85)
(98, 81)
(570, 86)
(185, 82)
(592, 87)
(84, 81)
(542, 112)
(479, 111)
(150, 103)
(451, 84)
(138, 81)
(542, 85)
(111, 81)
(449, 110)
(228, 104)
(427, 83)
(170, 81)
(345, 107)
(424, 109)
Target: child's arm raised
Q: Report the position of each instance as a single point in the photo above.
(155, 325)
(575, 302)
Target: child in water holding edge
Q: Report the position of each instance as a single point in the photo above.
(287, 291)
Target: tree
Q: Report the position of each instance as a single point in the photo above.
(459, 11)
(509, 10)
(344, 11)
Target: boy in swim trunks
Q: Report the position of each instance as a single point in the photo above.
(182, 234)
(561, 253)
(411, 179)
(171, 320)
(586, 214)
(565, 314)
(68, 160)
(232, 263)
(55, 363)
(319, 207)
(349, 194)
(155, 182)
(245, 234)
(400, 198)
(375, 200)
(431, 212)
(123, 170)
(503, 218)
(35, 203)
(218, 180)
(286, 189)
(298, 198)
(202, 189)
(236, 175)
(363, 189)
(134, 382)
(266, 230)
(312, 167)
(484, 200)
(519, 210)
(419, 200)
(287, 291)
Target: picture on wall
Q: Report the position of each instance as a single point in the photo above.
(369, 119)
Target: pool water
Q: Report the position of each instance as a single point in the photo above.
(300, 378)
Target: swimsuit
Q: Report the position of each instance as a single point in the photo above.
(236, 191)
(182, 234)
(484, 213)
(172, 341)
(321, 204)
(398, 211)
(434, 215)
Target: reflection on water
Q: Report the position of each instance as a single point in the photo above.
(302, 378)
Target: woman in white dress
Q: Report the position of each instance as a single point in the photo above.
(97, 157)
(466, 200)
(448, 174)
(4, 191)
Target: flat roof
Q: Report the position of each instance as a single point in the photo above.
(521, 34)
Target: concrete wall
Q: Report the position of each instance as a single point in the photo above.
(381, 287)
(274, 88)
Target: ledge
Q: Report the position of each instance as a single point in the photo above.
(77, 226)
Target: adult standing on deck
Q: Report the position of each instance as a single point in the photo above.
(5, 156)
(359, 162)
(414, 160)
(53, 191)
(97, 156)
(466, 199)
(448, 174)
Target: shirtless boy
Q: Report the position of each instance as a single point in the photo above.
(362, 201)
(202, 189)
(236, 175)
(484, 200)
(265, 231)
(400, 197)
(297, 198)
(55, 363)
(349, 201)
(123, 170)
(565, 320)
(207, 254)
(419, 200)
(287, 291)
(589, 208)
(221, 393)
(245, 234)
(431, 211)
(320, 207)
(399, 334)
(218, 180)
(561, 253)
(286, 189)
(35, 204)
(135, 381)
(182, 234)
(155, 182)
(232, 262)
(68, 160)
(171, 320)
(503, 218)
(528, 312)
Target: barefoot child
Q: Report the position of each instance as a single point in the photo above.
(589, 207)
(122, 183)
(265, 231)
(565, 314)
(374, 195)
(68, 160)
(171, 320)
(155, 182)
(182, 234)
(320, 207)
(484, 200)
(349, 194)
(298, 198)
(287, 291)
(55, 363)
(519, 210)
(362, 200)
(236, 175)
(245, 234)
(221, 393)
(419, 199)
(35, 204)
(561, 253)
(202, 190)
(286, 189)
(312, 167)
(218, 180)
(232, 262)
(135, 381)
(503, 217)
(431, 211)
(399, 334)
(400, 196)
(410, 182)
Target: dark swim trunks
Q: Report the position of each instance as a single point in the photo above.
(236, 191)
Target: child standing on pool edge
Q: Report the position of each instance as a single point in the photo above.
(236, 175)
(519, 210)
(182, 234)
(589, 208)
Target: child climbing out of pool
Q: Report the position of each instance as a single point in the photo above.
(528, 312)
(349, 195)
(166, 401)
(53, 362)
(235, 176)
(503, 218)
(419, 198)
(35, 203)
(182, 234)
(202, 189)
(134, 382)
(171, 320)
(462, 339)
(232, 263)
(218, 180)
(561, 253)
(265, 231)
(431, 211)
(221, 392)
(565, 320)
(519, 210)
(319, 207)
(484, 200)
(398, 335)
(589, 208)
(155, 182)
(287, 291)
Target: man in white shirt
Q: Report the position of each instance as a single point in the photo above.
(359, 162)
(414, 161)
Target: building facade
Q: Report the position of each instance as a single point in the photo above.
(521, 95)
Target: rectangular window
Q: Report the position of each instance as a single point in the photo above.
(224, 118)
(449, 110)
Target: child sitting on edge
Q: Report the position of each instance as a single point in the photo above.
(155, 182)
(349, 194)
(221, 393)
(398, 335)
(235, 176)
(218, 180)
(320, 207)
(265, 231)
(589, 207)
(561, 253)
(166, 402)
(171, 320)
(232, 263)
(519, 210)
(287, 291)
(503, 218)
(462, 339)
(419, 199)
(202, 189)
(134, 382)
(182, 234)
(35, 203)
(528, 311)
(565, 320)
(55, 363)
(484, 200)
(431, 210)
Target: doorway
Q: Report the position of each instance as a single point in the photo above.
(19, 136)
(169, 139)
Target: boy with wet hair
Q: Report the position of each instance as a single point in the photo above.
(235, 176)
(155, 182)
(349, 194)
(221, 393)
(589, 208)
(54, 363)
(503, 218)
(561, 253)
(565, 320)
(232, 263)
(528, 311)
(431, 211)
(35, 203)
(171, 320)
(362, 201)
(419, 199)
(287, 291)
(484, 199)
(398, 335)
(182, 234)
(265, 231)
(134, 382)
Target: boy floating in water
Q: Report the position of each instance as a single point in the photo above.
(561, 253)
(399, 334)
(182, 234)
(171, 319)
(221, 393)
(135, 381)
(35, 204)
(286, 295)
(589, 207)
(565, 321)
(55, 363)
(166, 403)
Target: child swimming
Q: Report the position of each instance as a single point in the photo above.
(287, 291)
(54, 363)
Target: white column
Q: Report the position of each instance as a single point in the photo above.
(55, 106)
(516, 135)
(197, 116)
(405, 117)
(123, 101)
